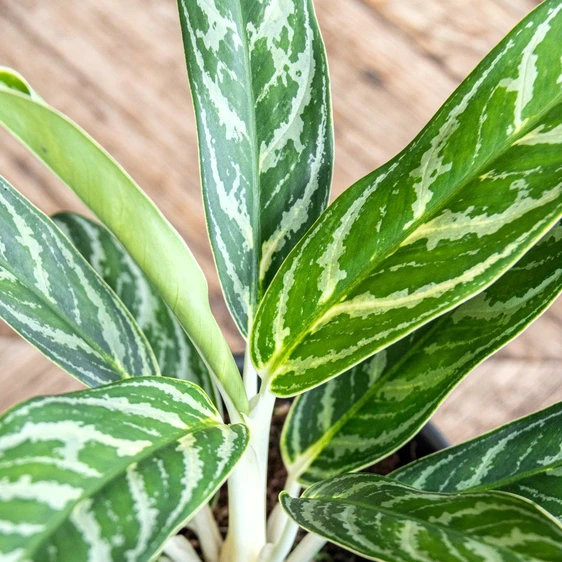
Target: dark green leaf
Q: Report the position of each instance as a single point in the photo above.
(110, 473)
(54, 299)
(390, 522)
(260, 87)
(523, 457)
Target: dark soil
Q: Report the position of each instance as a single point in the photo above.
(277, 474)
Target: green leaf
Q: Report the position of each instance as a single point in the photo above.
(362, 416)
(110, 473)
(55, 300)
(436, 225)
(176, 355)
(260, 88)
(130, 215)
(523, 457)
(388, 521)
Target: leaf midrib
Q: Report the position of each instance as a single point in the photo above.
(113, 475)
(256, 183)
(530, 124)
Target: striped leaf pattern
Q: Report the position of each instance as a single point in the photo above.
(458, 207)
(130, 215)
(109, 474)
(523, 457)
(390, 522)
(55, 300)
(176, 355)
(362, 416)
(260, 89)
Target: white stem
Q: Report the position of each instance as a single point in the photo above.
(250, 376)
(179, 549)
(247, 488)
(307, 549)
(205, 527)
(279, 518)
(284, 544)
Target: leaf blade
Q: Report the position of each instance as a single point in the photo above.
(51, 296)
(383, 520)
(458, 207)
(71, 465)
(484, 463)
(365, 414)
(260, 88)
(132, 217)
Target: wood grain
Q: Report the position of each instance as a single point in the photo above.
(117, 68)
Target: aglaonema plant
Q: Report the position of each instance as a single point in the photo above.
(369, 311)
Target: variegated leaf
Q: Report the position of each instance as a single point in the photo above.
(259, 81)
(362, 416)
(176, 355)
(109, 474)
(55, 300)
(523, 457)
(390, 522)
(437, 224)
(130, 215)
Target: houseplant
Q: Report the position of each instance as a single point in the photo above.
(370, 311)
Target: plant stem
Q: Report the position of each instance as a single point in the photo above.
(247, 488)
(278, 518)
(179, 549)
(250, 376)
(284, 543)
(205, 527)
(307, 549)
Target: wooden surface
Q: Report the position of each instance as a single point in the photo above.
(117, 68)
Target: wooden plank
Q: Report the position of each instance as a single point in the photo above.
(375, 120)
(499, 391)
(26, 373)
(454, 33)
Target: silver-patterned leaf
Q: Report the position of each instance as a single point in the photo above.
(176, 355)
(102, 184)
(109, 474)
(523, 457)
(436, 225)
(260, 88)
(55, 300)
(387, 521)
(362, 416)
